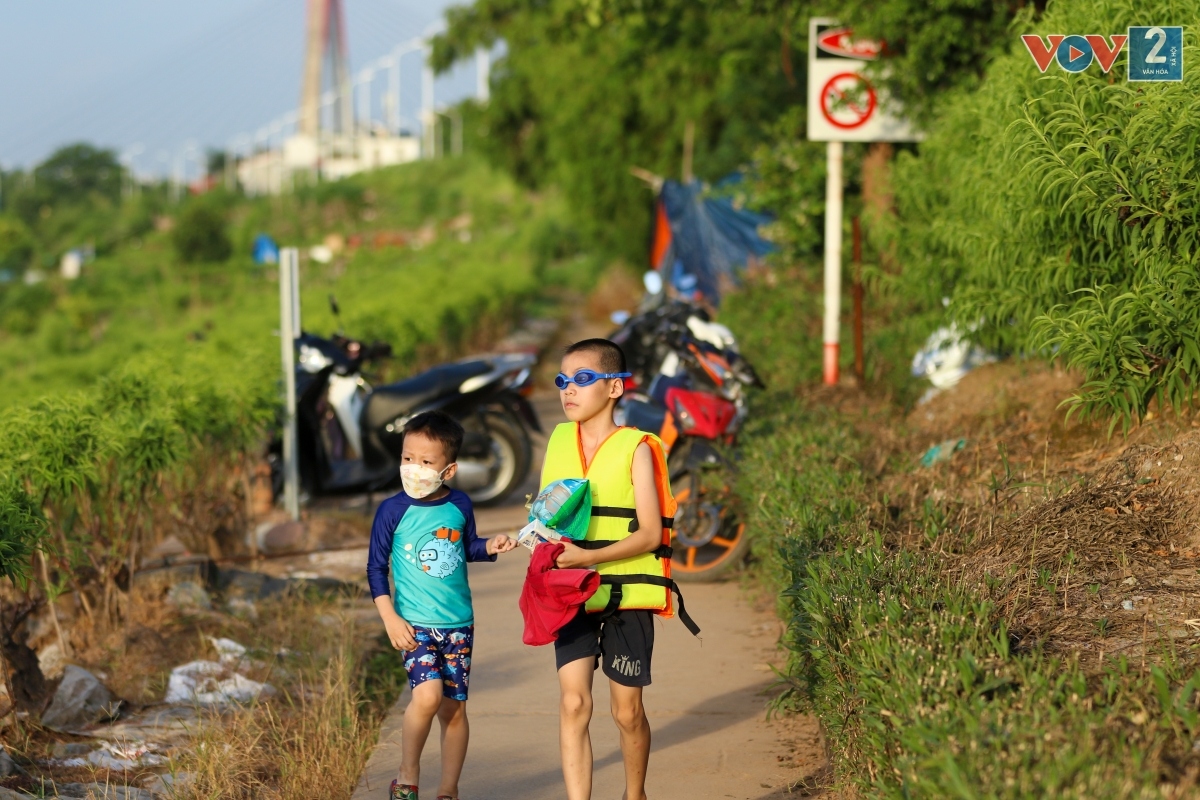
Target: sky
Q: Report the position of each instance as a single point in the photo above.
(160, 81)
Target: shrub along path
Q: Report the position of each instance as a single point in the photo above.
(707, 705)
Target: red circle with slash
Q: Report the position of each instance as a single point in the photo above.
(837, 86)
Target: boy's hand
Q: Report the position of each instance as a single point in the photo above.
(400, 633)
(501, 543)
(573, 557)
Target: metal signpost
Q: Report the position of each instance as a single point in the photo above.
(843, 106)
(289, 329)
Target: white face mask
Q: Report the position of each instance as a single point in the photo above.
(419, 480)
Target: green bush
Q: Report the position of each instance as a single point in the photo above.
(911, 672)
(16, 245)
(486, 243)
(200, 235)
(21, 307)
(82, 472)
(777, 320)
(1059, 212)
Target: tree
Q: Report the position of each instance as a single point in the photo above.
(215, 162)
(16, 245)
(76, 171)
(934, 47)
(200, 234)
(76, 175)
(585, 91)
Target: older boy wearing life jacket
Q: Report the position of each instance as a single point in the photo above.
(627, 542)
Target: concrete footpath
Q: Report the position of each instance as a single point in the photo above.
(707, 704)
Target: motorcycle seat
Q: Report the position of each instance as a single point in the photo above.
(395, 400)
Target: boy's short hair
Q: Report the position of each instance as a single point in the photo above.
(610, 356)
(441, 427)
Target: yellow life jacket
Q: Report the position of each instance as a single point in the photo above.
(642, 581)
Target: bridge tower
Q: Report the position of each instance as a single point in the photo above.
(325, 52)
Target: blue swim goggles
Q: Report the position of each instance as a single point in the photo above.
(586, 377)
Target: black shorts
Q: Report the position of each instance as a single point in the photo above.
(623, 644)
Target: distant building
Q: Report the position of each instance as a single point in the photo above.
(326, 157)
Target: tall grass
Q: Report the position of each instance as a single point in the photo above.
(84, 478)
(312, 741)
(431, 248)
(1060, 211)
(911, 671)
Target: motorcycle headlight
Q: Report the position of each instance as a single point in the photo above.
(313, 360)
(686, 421)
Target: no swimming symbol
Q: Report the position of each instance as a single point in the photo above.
(1074, 53)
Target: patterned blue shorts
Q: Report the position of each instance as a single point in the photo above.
(442, 654)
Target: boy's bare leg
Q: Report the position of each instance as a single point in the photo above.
(418, 718)
(574, 715)
(455, 733)
(630, 716)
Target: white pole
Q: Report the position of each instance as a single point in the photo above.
(394, 93)
(833, 259)
(364, 80)
(483, 72)
(176, 177)
(288, 328)
(428, 121)
(297, 325)
(456, 129)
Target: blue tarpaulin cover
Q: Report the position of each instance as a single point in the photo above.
(709, 238)
(265, 250)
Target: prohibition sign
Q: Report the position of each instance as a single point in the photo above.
(843, 89)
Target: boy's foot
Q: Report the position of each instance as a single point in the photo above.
(402, 791)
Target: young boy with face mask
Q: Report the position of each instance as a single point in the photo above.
(425, 534)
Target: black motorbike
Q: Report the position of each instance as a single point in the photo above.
(349, 434)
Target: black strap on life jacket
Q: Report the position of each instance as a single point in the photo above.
(614, 597)
(662, 551)
(629, 514)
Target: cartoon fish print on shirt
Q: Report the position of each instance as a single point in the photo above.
(439, 554)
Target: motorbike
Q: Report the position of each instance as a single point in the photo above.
(350, 433)
(689, 387)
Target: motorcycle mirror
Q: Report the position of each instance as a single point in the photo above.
(619, 317)
(653, 282)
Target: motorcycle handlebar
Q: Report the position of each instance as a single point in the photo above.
(376, 350)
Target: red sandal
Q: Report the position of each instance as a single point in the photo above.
(402, 791)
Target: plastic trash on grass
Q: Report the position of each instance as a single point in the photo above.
(942, 451)
(947, 356)
(117, 756)
(209, 683)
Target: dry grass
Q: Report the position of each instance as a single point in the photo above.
(310, 739)
(1059, 524)
(314, 737)
(312, 743)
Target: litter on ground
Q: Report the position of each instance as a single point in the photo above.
(212, 683)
